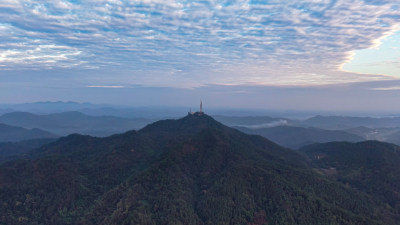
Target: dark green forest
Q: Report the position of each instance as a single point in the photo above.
(197, 171)
(371, 166)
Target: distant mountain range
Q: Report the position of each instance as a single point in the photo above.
(195, 170)
(104, 120)
(73, 122)
(343, 122)
(389, 134)
(157, 112)
(44, 108)
(49, 107)
(296, 137)
(318, 129)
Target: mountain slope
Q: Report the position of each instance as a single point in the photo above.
(295, 137)
(369, 166)
(13, 150)
(211, 180)
(12, 134)
(188, 171)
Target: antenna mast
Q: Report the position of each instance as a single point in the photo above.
(201, 106)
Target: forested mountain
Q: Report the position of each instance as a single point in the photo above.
(13, 134)
(296, 137)
(73, 122)
(14, 150)
(188, 171)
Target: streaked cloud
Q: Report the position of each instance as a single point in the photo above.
(194, 43)
(280, 122)
(393, 88)
(105, 86)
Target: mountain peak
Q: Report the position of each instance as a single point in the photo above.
(196, 113)
(192, 123)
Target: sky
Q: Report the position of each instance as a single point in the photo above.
(293, 54)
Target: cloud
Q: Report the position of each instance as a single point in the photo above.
(165, 42)
(280, 122)
(393, 88)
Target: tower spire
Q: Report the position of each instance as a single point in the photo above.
(201, 106)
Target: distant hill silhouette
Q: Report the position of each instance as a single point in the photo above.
(296, 137)
(386, 134)
(94, 109)
(346, 122)
(188, 171)
(73, 122)
(12, 133)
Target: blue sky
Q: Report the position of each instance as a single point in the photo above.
(104, 51)
(384, 58)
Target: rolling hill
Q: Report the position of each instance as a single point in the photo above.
(13, 134)
(347, 122)
(73, 122)
(296, 137)
(386, 134)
